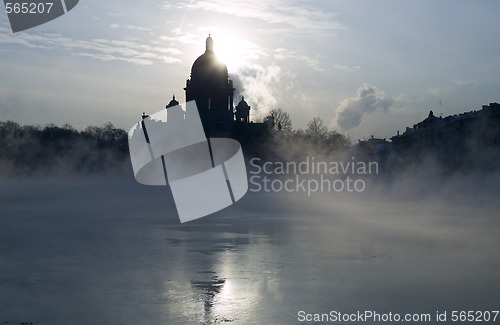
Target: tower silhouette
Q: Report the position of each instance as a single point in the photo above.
(211, 87)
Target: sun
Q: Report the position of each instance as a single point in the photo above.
(232, 49)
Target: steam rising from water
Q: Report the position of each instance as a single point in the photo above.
(259, 86)
(104, 250)
(368, 99)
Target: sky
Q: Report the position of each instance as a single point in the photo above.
(364, 67)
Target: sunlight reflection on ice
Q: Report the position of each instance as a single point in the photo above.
(258, 262)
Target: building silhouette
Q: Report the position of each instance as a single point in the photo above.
(242, 111)
(465, 141)
(174, 111)
(211, 87)
(212, 90)
(461, 140)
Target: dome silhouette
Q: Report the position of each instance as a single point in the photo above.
(243, 103)
(212, 90)
(211, 87)
(207, 70)
(172, 103)
(243, 111)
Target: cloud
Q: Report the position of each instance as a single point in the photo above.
(368, 99)
(313, 63)
(133, 27)
(453, 87)
(269, 87)
(109, 57)
(182, 37)
(134, 51)
(346, 68)
(295, 16)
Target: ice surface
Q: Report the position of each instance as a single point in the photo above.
(103, 251)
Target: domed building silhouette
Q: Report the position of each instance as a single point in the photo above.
(209, 85)
(174, 111)
(242, 111)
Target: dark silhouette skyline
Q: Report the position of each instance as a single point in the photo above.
(469, 140)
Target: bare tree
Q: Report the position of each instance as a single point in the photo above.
(316, 129)
(281, 119)
(337, 140)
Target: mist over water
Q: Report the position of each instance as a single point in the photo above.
(80, 250)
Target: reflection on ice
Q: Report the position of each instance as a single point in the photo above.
(210, 291)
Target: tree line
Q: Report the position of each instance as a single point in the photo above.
(316, 138)
(34, 150)
(29, 150)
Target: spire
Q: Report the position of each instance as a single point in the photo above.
(209, 43)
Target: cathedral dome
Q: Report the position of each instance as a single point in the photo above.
(207, 69)
(243, 104)
(211, 88)
(173, 102)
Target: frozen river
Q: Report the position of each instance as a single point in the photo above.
(112, 251)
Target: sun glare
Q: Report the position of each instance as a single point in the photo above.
(233, 49)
